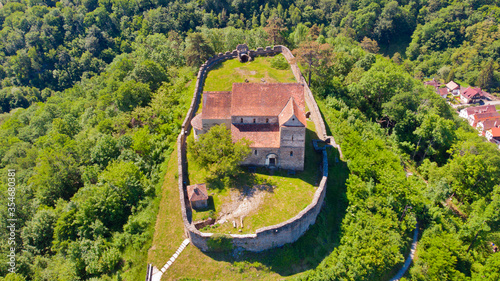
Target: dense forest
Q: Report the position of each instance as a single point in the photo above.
(93, 93)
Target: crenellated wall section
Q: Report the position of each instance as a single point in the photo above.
(270, 236)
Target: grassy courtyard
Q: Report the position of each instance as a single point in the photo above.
(223, 75)
(280, 196)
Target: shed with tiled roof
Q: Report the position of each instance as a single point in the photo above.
(198, 195)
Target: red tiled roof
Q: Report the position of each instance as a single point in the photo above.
(197, 192)
(291, 109)
(490, 123)
(216, 105)
(196, 122)
(485, 116)
(261, 135)
(471, 92)
(480, 109)
(443, 92)
(264, 99)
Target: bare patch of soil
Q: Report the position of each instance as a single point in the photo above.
(245, 72)
(242, 203)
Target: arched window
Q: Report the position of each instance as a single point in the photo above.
(292, 137)
(255, 152)
(254, 120)
(241, 120)
(291, 153)
(267, 120)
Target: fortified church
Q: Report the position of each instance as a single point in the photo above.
(270, 115)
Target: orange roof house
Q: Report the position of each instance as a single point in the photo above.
(493, 135)
(485, 125)
(270, 115)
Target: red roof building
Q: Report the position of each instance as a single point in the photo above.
(270, 115)
(467, 112)
(475, 118)
(471, 94)
(485, 125)
(433, 83)
(198, 195)
(443, 92)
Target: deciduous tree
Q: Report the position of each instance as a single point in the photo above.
(198, 49)
(216, 152)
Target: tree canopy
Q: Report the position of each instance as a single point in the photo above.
(216, 152)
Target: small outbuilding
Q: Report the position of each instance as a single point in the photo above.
(453, 88)
(198, 195)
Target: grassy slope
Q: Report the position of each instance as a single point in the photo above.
(222, 76)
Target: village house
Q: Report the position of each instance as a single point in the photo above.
(478, 117)
(198, 195)
(493, 135)
(453, 88)
(471, 95)
(485, 125)
(469, 111)
(433, 83)
(270, 115)
(443, 92)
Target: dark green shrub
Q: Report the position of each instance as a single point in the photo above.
(279, 62)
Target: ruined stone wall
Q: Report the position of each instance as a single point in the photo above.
(267, 237)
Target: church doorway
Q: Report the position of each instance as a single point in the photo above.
(271, 160)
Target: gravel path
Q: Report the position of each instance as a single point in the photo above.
(408, 261)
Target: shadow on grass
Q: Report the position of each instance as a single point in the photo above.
(317, 243)
(217, 66)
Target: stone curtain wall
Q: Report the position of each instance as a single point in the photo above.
(311, 102)
(266, 237)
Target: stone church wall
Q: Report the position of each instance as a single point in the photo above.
(293, 137)
(267, 237)
(292, 158)
(259, 159)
